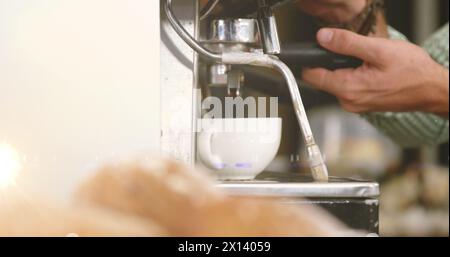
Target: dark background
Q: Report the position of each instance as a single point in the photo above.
(400, 15)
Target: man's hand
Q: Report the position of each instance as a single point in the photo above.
(396, 76)
(339, 11)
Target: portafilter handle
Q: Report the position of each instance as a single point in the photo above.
(312, 55)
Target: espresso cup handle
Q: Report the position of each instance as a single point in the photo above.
(205, 150)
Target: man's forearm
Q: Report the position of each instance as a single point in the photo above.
(439, 93)
(415, 129)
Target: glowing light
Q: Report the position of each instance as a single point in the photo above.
(9, 165)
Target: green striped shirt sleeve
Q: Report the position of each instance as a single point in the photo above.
(415, 129)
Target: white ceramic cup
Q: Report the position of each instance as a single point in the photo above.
(239, 149)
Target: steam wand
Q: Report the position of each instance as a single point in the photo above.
(317, 164)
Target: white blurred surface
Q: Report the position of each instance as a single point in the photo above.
(79, 85)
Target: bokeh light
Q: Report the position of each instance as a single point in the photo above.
(9, 165)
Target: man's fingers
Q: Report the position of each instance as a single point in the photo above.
(320, 79)
(348, 43)
(337, 82)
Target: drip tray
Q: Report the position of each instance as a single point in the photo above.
(276, 184)
(354, 202)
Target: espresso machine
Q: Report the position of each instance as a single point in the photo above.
(207, 51)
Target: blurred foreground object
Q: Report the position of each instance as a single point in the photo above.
(25, 215)
(157, 198)
(187, 203)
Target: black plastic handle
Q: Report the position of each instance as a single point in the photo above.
(311, 55)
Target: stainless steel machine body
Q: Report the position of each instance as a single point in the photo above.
(184, 75)
(178, 85)
(266, 58)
